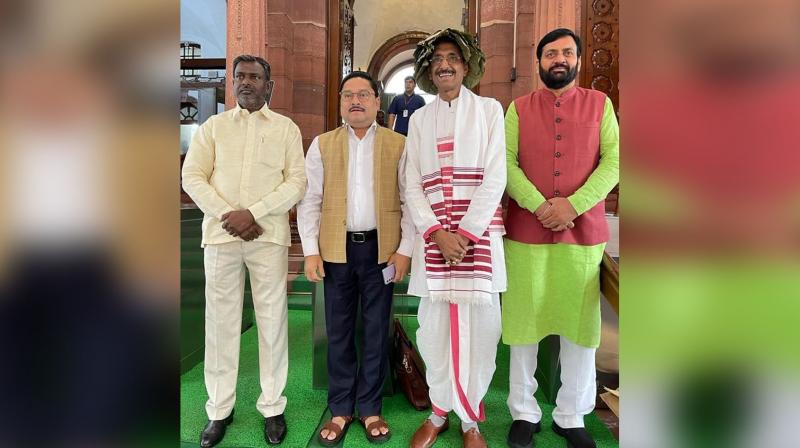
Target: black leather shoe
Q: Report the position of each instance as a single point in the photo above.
(215, 431)
(521, 433)
(274, 429)
(576, 437)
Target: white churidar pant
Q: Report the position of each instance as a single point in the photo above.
(575, 398)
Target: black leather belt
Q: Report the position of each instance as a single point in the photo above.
(362, 237)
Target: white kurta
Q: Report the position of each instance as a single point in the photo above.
(458, 342)
(444, 116)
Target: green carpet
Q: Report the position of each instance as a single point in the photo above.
(306, 406)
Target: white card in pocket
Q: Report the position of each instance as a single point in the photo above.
(388, 274)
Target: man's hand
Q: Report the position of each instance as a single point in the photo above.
(252, 232)
(236, 222)
(463, 241)
(558, 214)
(541, 209)
(564, 227)
(401, 264)
(313, 268)
(449, 245)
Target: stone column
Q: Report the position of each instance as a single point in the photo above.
(291, 36)
(534, 19)
(247, 34)
(496, 38)
(306, 100)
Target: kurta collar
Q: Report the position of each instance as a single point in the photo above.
(566, 96)
(461, 94)
(239, 111)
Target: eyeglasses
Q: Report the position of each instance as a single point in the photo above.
(451, 59)
(363, 95)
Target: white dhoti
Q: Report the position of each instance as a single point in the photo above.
(458, 344)
(225, 279)
(575, 398)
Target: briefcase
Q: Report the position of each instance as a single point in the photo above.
(409, 369)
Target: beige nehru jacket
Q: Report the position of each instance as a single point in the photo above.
(388, 148)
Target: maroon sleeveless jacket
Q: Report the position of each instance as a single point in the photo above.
(559, 148)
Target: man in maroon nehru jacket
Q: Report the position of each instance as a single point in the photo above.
(562, 147)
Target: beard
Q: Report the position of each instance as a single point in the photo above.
(558, 81)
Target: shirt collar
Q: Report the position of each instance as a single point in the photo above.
(239, 111)
(372, 128)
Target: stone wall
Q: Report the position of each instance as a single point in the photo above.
(291, 35)
(534, 19)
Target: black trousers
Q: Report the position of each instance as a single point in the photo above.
(346, 284)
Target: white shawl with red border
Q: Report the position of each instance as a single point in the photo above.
(463, 198)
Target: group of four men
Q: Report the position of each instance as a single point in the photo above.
(372, 201)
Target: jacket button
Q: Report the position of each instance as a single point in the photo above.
(557, 173)
(558, 119)
(556, 193)
(558, 154)
(558, 137)
(558, 104)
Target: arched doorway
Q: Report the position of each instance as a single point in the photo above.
(369, 35)
(396, 51)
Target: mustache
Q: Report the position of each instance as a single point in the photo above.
(352, 108)
(445, 70)
(566, 66)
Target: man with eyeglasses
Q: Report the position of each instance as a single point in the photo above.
(245, 171)
(456, 175)
(563, 159)
(354, 226)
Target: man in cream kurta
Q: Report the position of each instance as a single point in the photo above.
(245, 171)
(455, 179)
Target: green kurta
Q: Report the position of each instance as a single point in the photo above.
(555, 288)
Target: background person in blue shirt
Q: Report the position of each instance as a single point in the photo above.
(403, 106)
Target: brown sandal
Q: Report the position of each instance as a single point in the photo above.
(333, 428)
(376, 425)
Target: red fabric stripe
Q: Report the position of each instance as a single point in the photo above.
(440, 412)
(454, 348)
(460, 268)
(429, 184)
(445, 146)
(469, 235)
(433, 228)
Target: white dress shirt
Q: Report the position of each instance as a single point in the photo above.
(360, 194)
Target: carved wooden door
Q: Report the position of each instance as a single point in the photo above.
(600, 60)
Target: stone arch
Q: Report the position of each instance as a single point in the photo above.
(392, 47)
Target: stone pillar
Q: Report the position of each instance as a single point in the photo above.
(306, 101)
(496, 38)
(534, 19)
(247, 34)
(291, 36)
